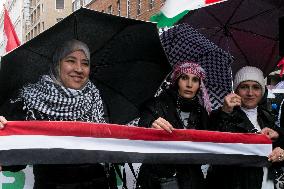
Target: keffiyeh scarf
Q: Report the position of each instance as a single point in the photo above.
(46, 100)
(193, 68)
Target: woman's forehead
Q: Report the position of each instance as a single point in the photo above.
(249, 82)
(189, 74)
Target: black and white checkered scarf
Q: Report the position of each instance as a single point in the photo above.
(46, 100)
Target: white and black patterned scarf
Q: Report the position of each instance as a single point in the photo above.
(46, 100)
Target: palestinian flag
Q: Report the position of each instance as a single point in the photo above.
(174, 10)
(44, 142)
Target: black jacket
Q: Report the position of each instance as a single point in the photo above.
(165, 106)
(235, 177)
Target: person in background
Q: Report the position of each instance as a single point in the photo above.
(66, 94)
(184, 105)
(242, 113)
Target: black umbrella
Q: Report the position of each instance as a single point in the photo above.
(128, 62)
(248, 29)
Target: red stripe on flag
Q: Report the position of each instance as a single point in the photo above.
(211, 1)
(98, 130)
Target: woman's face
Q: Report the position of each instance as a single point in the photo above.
(250, 92)
(74, 70)
(188, 85)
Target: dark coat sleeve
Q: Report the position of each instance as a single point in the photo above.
(236, 122)
(12, 110)
(280, 141)
(149, 113)
(220, 121)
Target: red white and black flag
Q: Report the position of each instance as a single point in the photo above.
(44, 142)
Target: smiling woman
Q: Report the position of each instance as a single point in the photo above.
(66, 94)
(71, 65)
(74, 70)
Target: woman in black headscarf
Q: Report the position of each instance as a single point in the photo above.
(66, 94)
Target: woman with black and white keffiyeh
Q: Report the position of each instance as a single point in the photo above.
(66, 94)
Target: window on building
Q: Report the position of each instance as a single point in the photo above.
(35, 31)
(42, 25)
(59, 4)
(38, 28)
(87, 2)
(109, 9)
(128, 8)
(118, 8)
(32, 18)
(29, 36)
(33, 3)
(38, 11)
(73, 6)
(151, 4)
(138, 7)
(59, 19)
(76, 5)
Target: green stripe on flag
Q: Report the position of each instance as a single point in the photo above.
(163, 21)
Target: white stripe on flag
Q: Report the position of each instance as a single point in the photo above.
(175, 7)
(126, 145)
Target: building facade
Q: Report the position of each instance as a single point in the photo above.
(45, 13)
(31, 17)
(137, 9)
(17, 10)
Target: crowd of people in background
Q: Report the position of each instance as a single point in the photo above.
(184, 104)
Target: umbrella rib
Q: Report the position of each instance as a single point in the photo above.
(271, 54)
(118, 92)
(38, 54)
(253, 33)
(229, 19)
(76, 27)
(254, 16)
(234, 12)
(240, 49)
(111, 38)
(217, 31)
(213, 16)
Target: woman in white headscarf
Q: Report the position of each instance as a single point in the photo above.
(66, 94)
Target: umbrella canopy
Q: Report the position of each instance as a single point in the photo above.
(184, 43)
(248, 29)
(127, 60)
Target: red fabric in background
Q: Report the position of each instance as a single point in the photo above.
(9, 30)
